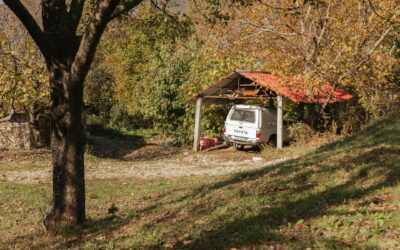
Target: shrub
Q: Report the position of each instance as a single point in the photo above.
(119, 116)
(301, 132)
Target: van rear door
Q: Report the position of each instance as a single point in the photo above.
(242, 124)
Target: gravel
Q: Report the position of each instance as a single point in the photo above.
(183, 165)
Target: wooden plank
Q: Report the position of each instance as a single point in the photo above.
(247, 85)
(279, 123)
(197, 125)
(221, 146)
(239, 97)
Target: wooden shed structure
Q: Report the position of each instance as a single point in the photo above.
(258, 85)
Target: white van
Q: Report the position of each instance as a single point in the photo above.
(252, 125)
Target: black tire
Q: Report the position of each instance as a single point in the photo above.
(272, 141)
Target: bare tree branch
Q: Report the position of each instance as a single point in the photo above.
(124, 7)
(370, 4)
(30, 24)
(277, 7)
(358, 65)
(162, 8)
(75, 13)
(11, 114)
(379, 41)
(91, 38)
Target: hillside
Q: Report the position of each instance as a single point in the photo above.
(342, 195)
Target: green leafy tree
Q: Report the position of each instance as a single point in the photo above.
(154, 68)
(99, 90)
(24, 82)
(165, 63)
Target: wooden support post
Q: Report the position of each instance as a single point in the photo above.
(197, 124)
(279, 123)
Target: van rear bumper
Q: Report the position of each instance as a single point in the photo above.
(229, 139)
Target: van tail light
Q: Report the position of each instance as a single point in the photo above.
(224, 130)
(258, 134)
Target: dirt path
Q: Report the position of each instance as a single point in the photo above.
(184, 164)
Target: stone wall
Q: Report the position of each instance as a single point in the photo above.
(16, 135)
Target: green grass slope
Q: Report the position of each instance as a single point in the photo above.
(344, 195)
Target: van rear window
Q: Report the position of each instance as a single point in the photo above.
(243, 115)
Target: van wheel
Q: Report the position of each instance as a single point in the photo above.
(238, 146)
(272, 141)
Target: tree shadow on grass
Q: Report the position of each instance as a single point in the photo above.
(111, 143)
(379, 164)
(71, 237)
(261, 228)
(288, 167)
(208, 189)
(93, 229)
(385, 131)
(374, 166)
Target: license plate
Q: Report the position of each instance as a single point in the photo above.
(237, 131)
(239, 138)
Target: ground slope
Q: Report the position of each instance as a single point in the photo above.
(342, 195)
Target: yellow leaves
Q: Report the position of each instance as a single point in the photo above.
(23, 81)
(27, 71)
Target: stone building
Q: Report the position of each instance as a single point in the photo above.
(19, 134)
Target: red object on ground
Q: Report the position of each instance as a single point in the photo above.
(291, 89)
(206, 142)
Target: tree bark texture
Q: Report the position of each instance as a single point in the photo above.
(68, 57)
(68, 146)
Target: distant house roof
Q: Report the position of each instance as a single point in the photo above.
(229, 86)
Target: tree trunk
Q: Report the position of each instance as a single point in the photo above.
(67, 144)
(34, 124)
(300, 112)
(312, 116)
(68, 57)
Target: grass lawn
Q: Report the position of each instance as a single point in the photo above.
(343, 195)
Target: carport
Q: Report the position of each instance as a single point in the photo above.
(258, 85)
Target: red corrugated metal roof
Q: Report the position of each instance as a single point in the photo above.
(292, 90)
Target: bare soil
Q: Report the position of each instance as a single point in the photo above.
(113, 158)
